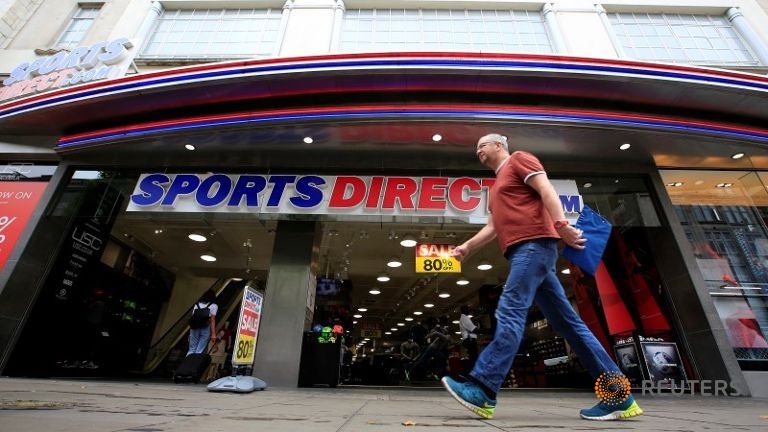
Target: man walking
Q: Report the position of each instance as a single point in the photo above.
(527, 217)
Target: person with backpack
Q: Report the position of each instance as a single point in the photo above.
(202, 323)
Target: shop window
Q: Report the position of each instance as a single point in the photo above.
(444, 30)
(681, 38)
(724, 217)
(79, 26)
(214, 34)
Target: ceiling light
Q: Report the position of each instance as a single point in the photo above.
(393, 329)
(625, 146)
(565, 271)
(362, 309)
(374, 291)
(357, 316)
(458, 332)
(189, 147)
(675, 184)
(394, 262)
(367, 339)
(484, 265)
(353, 322)
(724, 185)
(387, 333)
(462, 281)
(436, 137)
(208, 256)
(470, 316)
(587, 185)
(308, 140)
(428, 305)
(443, 295)
(408, 241)
(383, 277)
(409, 319)
(737, 156)
(455, 321)
(197, 237)
(417, 312)
(400, 324)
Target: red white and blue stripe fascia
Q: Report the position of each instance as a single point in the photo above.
(420, 112)
(374, 61)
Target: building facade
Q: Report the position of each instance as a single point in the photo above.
(306, 140)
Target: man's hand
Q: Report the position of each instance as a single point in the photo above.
(572, 237)
(460, 252)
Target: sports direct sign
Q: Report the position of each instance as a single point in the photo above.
(312, 194)
(84, 64)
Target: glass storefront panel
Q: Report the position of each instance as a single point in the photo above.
(724, 215)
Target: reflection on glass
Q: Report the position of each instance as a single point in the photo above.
(723, 214)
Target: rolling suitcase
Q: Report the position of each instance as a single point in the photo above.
(192, 368)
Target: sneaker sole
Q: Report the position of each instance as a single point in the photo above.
(632, 411)
(482, 412)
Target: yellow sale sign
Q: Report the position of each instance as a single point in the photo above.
(436, 258)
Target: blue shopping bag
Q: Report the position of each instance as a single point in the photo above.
(596, 230)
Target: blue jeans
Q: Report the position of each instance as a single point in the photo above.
(198, 339)
(532, 278)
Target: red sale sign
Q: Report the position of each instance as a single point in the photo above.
(17, 202)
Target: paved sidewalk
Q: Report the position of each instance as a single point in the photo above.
(37, 405)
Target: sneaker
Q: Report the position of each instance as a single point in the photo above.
(603, 411)
(471, 396)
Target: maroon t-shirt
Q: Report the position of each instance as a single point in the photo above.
(517, 209)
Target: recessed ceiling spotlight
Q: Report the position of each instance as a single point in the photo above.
(565, 271)
(458, 332)
(394, 262)
(436, 137)
(208, 256)
(197, 237)
(357, 316)
(159, 231)
(724, 185)
(443, 295)
(417, 312)
(393, 329)
(428, 305)
(484, 265)
(737, 156)
(587, 185)
(408, 241)
(462, 281)
(400, 324)
(409, 319)
(362, 309)
(675, 184)
(387, 333)
(455, 321)
(190, 147)
(625, 146)
(308, 140)
(353, 322)
(374, 291)
(383, 277)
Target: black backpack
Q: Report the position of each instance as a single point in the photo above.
(200, 317)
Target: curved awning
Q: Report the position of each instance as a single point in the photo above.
(347, 92)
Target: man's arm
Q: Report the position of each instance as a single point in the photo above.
(541, 184)
(485, 235)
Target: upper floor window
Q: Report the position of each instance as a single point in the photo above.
(444, 30)
(81, 22)
(679, 38)
(214, 33)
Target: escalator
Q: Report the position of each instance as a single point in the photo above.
(229, 293)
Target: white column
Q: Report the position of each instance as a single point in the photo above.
(742, 26)
(609, 29)
(143, 33)
(550, 20)
(338, 18)
(287, 7)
